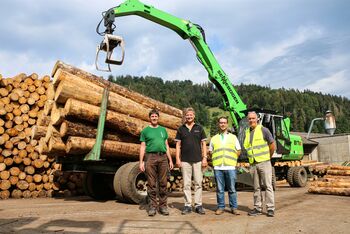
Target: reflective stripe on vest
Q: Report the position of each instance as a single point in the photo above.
(259, 150)
(224, 153)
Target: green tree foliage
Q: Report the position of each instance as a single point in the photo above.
(300, 106)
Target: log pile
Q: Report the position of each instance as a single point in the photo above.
(335, 182)
(23, 171)
(175, 183)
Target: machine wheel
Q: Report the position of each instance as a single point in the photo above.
(300, 177)
(273, 179)
(290, 176)
(133, 191)
(117, 183)
(99, 185)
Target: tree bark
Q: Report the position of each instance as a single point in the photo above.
(56, 147)
(69, 128)
(339, 172)
(38, 132)
(84, 92)
(146, 101)
(336, 167)
(334, 184)
(80, 145)
(330, 190)
(116, 120)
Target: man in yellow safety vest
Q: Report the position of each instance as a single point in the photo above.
(260, 146)
(224, 149)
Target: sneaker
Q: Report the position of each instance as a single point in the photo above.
(219, 211)
(270, 213)
(199, 210)
(234, 211)
(152, 211)
(163, 211)
(254, 212)
(186, 210)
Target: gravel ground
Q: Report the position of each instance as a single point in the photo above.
(296, 212)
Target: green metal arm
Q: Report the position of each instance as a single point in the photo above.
(188, 30)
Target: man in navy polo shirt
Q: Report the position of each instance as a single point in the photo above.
(191, 156)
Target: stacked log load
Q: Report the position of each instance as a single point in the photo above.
(335, 182)
(67, 126)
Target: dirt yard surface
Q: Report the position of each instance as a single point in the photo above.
(296, 212)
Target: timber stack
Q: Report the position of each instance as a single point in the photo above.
(68, 124)
(23, 171)
(335, 182)
(46, 120)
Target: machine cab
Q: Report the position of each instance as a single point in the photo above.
(278, 126)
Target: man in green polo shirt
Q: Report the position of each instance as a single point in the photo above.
(154, 159)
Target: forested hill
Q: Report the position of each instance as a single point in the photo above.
(300, 106)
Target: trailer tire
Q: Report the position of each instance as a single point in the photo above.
(117, 183)
(128, 183)
(98, 185)
(300, 177)
(290, 176)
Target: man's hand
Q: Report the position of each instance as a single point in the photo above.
(142, 166)
(171, 165)
(204, 162)
(178, 163)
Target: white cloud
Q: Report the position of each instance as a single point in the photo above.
(191, 72)
(244, 36)
(13, 64)
(337, 83)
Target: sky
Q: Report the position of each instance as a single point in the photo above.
(291, 43)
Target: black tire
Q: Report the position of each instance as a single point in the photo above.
(117, 183)
(290, 176)
(130, 176)
(273, 178)
(300, 177)
(99, 185)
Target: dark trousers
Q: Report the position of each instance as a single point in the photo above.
(156, 171)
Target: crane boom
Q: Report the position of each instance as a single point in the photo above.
(195, 34)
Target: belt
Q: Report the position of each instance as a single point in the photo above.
(158, 153)
(255, 162)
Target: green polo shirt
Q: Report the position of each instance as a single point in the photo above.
(154, 138)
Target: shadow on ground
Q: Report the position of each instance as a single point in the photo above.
(53, 226)
(159, 226)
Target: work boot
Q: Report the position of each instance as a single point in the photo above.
(186, 210)
(219, 211)
(163, 210)
(152, 211)
(199, 210)
(254, 212)
(234, 211)
(270, 213)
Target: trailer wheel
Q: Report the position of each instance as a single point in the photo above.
(117, 183)
(133, 191)
(98, 185)
(300, 177)
(290, 176)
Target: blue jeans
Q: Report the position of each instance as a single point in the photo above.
(226, 178)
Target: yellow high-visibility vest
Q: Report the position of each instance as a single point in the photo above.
(224, 153)
(258, 150)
